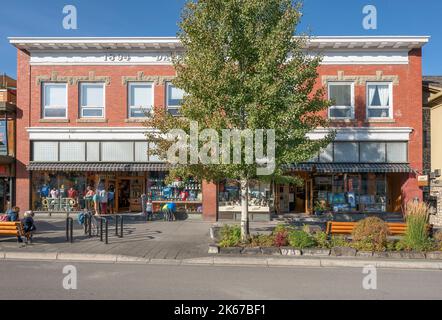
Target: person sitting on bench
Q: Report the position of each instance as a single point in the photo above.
(28, 224)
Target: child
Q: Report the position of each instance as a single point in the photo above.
(28, 225)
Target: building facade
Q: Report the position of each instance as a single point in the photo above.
(82, 101)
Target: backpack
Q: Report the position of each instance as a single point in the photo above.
(80, 218)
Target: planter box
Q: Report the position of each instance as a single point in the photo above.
(251, 251)
(215, 233)
(271, 251)
(230, 250)
(436, 255)
(380, 254)
(364, 254)
(289, 251)
(316, 252)
(213, 249)
(343, 252)
(406, 255)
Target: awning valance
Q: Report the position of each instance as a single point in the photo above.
(351, 167)
(99, 167)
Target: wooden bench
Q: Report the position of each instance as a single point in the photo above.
(335, 227)
(13, 229)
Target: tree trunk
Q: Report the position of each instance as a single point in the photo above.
(245, 233)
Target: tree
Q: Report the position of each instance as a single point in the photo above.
(242, 68)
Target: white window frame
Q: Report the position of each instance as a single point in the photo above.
(92, 107)
(390, 106)
(168, 107)
(43, 96)
(131, 83)
(352, 106)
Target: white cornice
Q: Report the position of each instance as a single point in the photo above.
(364, 134)
(173, 43)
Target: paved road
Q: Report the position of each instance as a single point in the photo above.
(43, 280)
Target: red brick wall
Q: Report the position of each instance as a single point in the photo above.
(407, 106)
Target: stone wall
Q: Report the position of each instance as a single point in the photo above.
(436, 201)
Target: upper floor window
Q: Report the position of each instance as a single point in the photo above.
(174, 99)
(92, 100)
(140, 99)
(379, 100)
(342, 96)
(54, 100)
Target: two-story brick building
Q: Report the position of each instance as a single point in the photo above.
(82, 101)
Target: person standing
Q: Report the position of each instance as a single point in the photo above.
(96, 200)
(149, 210)
(88, 197)
(103, 201)
(111, 199)
(54, 193)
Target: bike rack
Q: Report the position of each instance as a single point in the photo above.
(119, 221)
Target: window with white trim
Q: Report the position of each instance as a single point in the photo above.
(55, 101)
(342, 96)
(174, 99)
(140, 99)
(379, 100)
(92, 100)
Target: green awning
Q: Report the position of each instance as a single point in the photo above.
(351, 167)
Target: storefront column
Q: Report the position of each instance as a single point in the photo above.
(210, 201)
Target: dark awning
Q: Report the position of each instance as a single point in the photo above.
(7, 107)
(351, 167)
(102, 167)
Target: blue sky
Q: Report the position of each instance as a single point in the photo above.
(160, 18)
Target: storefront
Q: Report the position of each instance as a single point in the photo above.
(69, 183)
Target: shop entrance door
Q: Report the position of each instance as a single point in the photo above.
(123, 195)
(309, 196)
(4, 194)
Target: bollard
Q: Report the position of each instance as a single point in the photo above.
(121, 226)
(101, 229)
(116, 224)
(89, 218)
(107, 229)
(69, 229)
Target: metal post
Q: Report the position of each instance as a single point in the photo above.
(72, 229)
(101, 229)
(107, 229)
(86, 227)
(89, 218)
(121, 226)
(67, 229)
(116, 224)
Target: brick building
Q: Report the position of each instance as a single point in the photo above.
(81, 102)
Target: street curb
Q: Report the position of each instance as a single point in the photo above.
(315, 262)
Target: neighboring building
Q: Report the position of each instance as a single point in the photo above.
(81, 101)
(8, 99)
(432, 114)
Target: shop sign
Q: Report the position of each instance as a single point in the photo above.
(422, 181)
(3, 138)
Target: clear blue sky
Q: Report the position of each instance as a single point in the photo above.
(160, 17)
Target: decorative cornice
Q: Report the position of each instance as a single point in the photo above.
(140, 77)
(361, 79)
(72, 80)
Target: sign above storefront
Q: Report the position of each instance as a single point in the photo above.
(423, 181)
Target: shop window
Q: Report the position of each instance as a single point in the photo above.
(140, 99)
(326, 155)
(141, 149)
(379, 100)
(45, 151)
(92, 100)
(54, 101)
(342, 96)
(174, 99)
(72, 151)
(117, 151)
(397, 152)
(93, 151)
(372, 151)
(346, 152)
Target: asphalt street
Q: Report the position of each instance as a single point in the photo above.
(46, 280)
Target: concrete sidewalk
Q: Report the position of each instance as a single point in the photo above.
(150, 240)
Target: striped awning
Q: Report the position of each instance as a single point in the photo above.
(351, 167)
(98, 167)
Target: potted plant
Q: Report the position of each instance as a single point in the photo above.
(320, 207)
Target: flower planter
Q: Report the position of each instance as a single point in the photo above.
(406, 255)
(343, 252)
(251, 251)
(436, 255)
(289, 251)
(364, 254)
(230, 250)
(316, 252)
(271, 251)
(213, 249)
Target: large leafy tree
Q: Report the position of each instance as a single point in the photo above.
(243, 68)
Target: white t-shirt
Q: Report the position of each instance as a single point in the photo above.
(148, 207)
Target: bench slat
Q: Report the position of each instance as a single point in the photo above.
(9, 233)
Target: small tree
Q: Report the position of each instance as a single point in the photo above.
(242, 68)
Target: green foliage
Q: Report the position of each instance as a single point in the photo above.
(300, 239)
(321, 239)
(417, 235)
(262, 240)
(280, 234)
(338, 241)
(371, 234)
(281, 227)
(230, 236)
